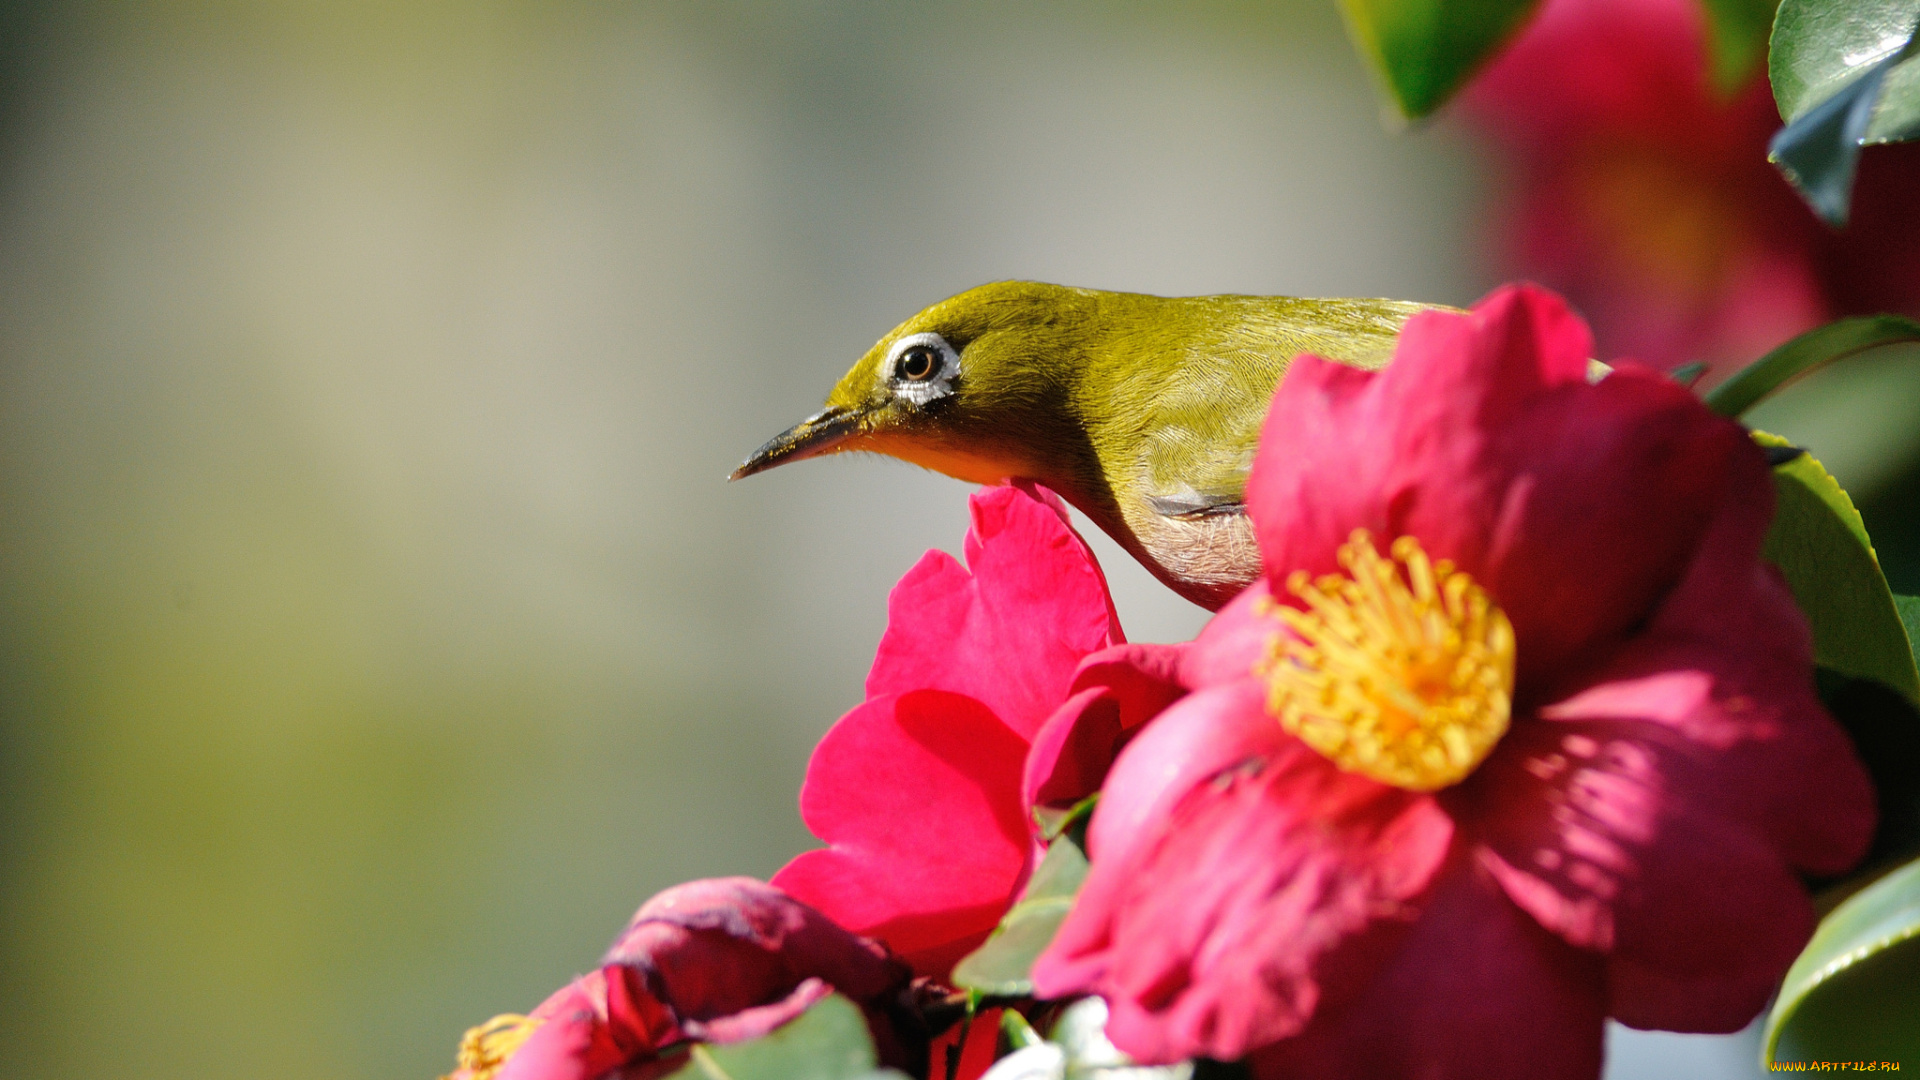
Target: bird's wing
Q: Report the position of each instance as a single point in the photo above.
(1194, 504)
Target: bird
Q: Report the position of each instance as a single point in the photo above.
(1141, 411)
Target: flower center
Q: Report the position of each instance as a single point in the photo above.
(1400, 669)
(484, 1049)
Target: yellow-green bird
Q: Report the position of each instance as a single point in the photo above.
(1143, 411)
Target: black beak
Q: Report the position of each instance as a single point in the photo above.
(817, 434)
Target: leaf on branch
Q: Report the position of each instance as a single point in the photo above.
(1820, 544)
(1424, 51)
(1806, 354)
(1845, 74)
(1002, 965)
(1854, 992)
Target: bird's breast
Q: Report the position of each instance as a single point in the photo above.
(1207, 557)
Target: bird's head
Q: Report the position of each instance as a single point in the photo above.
(973, 387)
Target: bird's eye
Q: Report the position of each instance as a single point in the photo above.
(918, 364)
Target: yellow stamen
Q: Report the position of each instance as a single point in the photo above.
(1400, 669)
(485, 1048)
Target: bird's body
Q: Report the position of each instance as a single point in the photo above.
(1142, 411)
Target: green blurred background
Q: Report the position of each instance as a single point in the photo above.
(379, 630)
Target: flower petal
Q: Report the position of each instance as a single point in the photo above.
(1779, 762)
(1233, 641)
(919, 797)
(1698, 916)
(1575, 505)
(1010, 632)
(1475, 991)
(1115, 692)
(596, 1023)
(761, 1019)
(715, 948)
(1657, 813)
(1231, 866)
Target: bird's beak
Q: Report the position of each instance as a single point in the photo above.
(818, 434)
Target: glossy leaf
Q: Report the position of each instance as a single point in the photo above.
(1423, 51)
(1820, 46)
(1854, 993)
(1737, 39)
(1820, 544)
(1808, 353)
(828, 1042)
(1001, 966)
(1844, 74)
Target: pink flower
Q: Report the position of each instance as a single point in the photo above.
(1516, 733)
(1647, 198)
(719, 961)
(924, 791)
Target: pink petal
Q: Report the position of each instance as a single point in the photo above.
(715, 948)
(1657, 812)
(1616, 66)
(1234, 872)
(594, 1024)
(1010, 632)
(1697, 915)
(1732, 629)
(1233, 641)
(1475, 991)
(1576, 505)
(919, 797)
(1115, 692)
(761, 1019)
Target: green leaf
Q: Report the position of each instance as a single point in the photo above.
(1820, 544)
(1016, 1032)
(1423, 51)
(1854, 992)
(1844, 74)
(1806, 354)
(827, 1042)
(1909, 609)
(1001, 966)
(1737, 39)
(1053, 821)
(1688, 374)
(1821, 46)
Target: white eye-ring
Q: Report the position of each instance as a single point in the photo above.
(921, 367)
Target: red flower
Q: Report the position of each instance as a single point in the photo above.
(719, 961)
(1647, 198)
(923, 792)
(1516, 733)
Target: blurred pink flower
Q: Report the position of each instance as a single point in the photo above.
(1545, 752)
(1647, 199)
(924, 791)
(721, 961)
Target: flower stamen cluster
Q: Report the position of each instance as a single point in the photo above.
(1401, 669)
(484, 1049)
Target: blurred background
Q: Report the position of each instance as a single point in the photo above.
(378, 628)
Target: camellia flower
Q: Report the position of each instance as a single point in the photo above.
(1646, 196)
(998, 685)
(720, 961)
(1516, 733)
